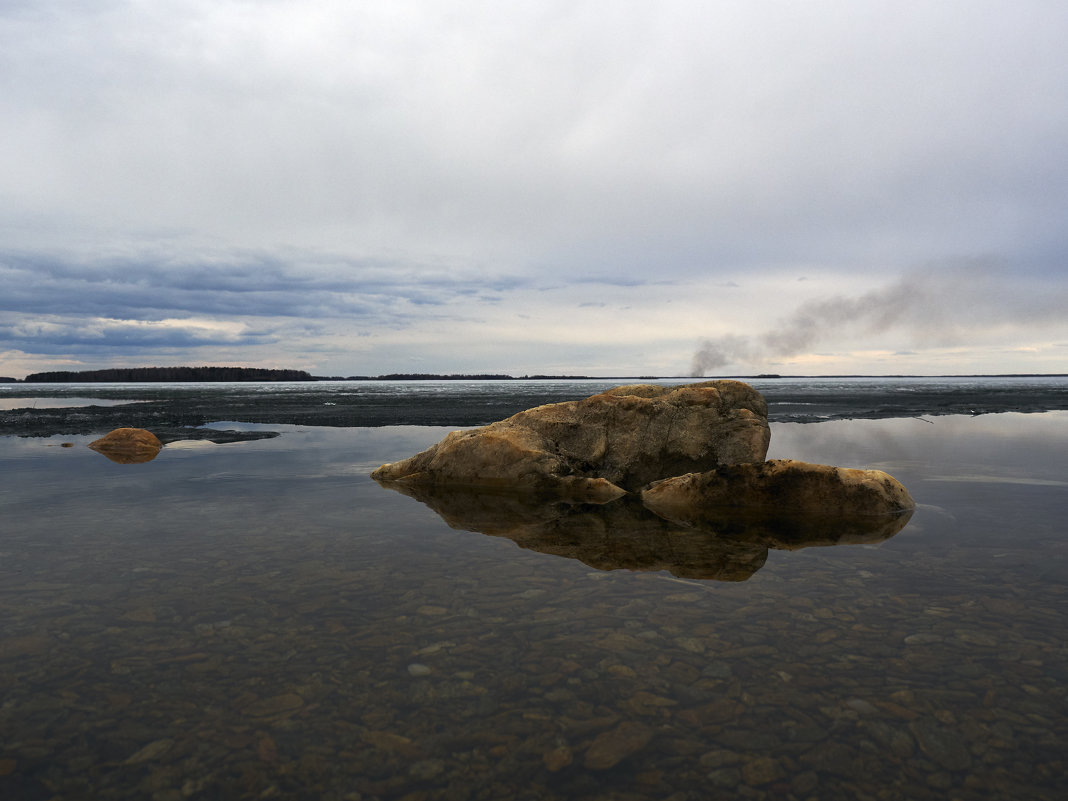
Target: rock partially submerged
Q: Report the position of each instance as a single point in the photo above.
(601, 447)
(782, 485)
(649, 477)
(128, 445)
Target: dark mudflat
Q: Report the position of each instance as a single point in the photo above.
(796, 405)
(172, 414)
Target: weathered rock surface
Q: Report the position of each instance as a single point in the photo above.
(779, 485)
(597, 448)
(128, 445)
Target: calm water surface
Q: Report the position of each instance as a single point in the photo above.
(260, 619)
(26, 401)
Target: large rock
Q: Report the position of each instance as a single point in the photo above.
(128, 445)
(782, 486)
(597, 448)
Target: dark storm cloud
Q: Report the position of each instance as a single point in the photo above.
(61, 336)
(250, 285)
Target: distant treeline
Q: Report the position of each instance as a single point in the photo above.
(159, 374)
(116, 375)
(453, 376)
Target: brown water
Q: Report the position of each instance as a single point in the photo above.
(259, 619)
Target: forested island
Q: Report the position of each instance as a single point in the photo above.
(166, 374)
(119, 375)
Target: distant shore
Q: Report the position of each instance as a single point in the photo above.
(172, 411)
(201, 375)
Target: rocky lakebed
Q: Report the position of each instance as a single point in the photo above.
(256, 617)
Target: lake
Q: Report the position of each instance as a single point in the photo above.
(260, 619)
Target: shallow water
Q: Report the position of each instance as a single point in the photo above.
(260, 619)
(166, 408)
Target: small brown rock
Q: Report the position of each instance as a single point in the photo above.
(557, 758)
(153, 750)
(612, 747)
(275, 705)
(762, 770)
(266, 749)
(128, 445)
(144, 614)
(646, 703)
(941, 744)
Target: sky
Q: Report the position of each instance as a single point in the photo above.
(597, 188)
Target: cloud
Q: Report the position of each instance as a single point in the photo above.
(53, 334)
(567, 134)
(937, 307)
(386, 169)
(243, 284)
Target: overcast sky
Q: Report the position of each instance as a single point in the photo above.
(602, 188)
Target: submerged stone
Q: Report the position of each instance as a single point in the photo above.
(613, 746)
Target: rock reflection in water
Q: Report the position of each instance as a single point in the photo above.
(724, 545)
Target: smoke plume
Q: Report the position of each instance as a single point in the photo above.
(932, 305)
